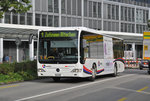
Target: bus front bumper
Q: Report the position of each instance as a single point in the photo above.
(45, 74)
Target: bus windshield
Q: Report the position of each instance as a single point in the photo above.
(58, 47)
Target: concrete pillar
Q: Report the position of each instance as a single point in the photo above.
(82, 13)
(33, 7)
(1, 50)
(135, 19)
(102, 15)
(134, 51)
(31, 50)
(59, 4)
(17, 49)
(119, 18)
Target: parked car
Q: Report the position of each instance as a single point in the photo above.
(143, 64)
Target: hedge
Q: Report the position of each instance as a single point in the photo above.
(15, 72)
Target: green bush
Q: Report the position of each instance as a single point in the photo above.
(11, 77)
(18, 71)
(6, 68)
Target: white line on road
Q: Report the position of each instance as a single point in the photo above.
(79, 86)
(131, 90)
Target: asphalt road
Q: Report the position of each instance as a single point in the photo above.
(131, 85)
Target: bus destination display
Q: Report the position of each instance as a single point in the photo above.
(48, 34)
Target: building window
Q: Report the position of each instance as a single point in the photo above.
(129, 14)
(117, 12)
(109, 26)
(69, 7)
(85, 8)
(79, 7)
(63, 21)
(94, 24)
(129, 27)
(99, 10)
(7, 17)
(29, 19)
(90, 9)
(94, 9)
(15, 18)
(99, 27)
(147, 15)
(125, 27)
(37, 5)
(73, 7)
(22, 18)
(50, 5)
(56, 6)
(133, 15)
(68, 21)
(144, 16)
(125, 13)
(50, 20)
(79, 22)
(37, 19)
(56, 21)
(113, 12)
(122, 27)
(63, 6)
(133, 28)
(122, 14)
(90, 23)
(109, 11)
(73, 21)
(44, 20)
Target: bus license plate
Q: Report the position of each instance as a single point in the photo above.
(57, 74)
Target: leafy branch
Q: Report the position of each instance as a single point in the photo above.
(15, 6)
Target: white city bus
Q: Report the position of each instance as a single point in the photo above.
(78, 52)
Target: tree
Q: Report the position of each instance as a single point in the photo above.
(15, 6)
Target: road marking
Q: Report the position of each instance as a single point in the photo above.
(130, 90)
(142, 89)
(9, 86)
(74, 87)
(122, 99)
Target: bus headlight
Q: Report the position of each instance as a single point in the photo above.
(41, 70)
(76, 70)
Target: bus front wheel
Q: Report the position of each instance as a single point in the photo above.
(92, 78)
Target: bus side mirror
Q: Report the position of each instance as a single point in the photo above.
(30, 38)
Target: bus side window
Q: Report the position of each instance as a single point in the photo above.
(86, 48)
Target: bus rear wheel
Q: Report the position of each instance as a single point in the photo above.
(56, 79)
(115, 71)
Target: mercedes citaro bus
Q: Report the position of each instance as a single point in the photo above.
(78, 52)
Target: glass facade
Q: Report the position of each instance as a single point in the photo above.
(22, 19)
(129, 16)
(29, 19)
(135, 2)
(114, 17)
(7, 17)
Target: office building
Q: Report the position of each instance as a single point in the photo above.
(129, 16)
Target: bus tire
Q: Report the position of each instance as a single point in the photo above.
(56, 79)
(92, 78)
(148, 72)
(115, 70)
